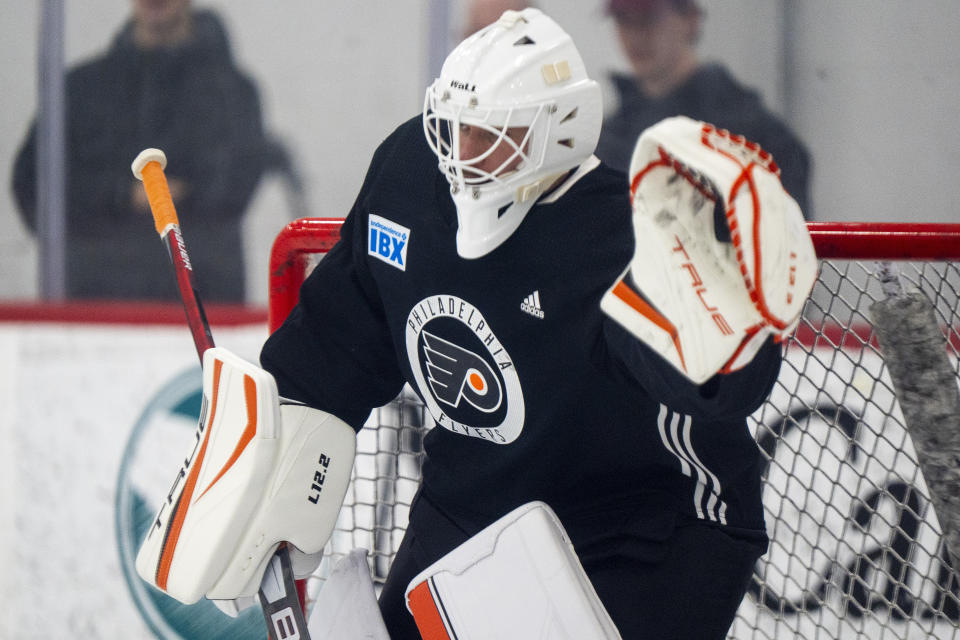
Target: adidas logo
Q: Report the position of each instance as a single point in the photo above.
(531, 305)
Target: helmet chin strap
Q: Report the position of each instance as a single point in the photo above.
(485, 223)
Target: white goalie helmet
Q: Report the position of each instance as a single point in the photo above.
(522, 84)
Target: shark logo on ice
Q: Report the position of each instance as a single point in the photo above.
(457, 374)
(465, 375)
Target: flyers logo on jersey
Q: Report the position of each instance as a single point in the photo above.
(465, 376)
(456, 374)
(387, 241)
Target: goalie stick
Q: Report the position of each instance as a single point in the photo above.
(278, 595)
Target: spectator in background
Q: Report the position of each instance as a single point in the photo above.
(481, 13)
(168, 81)
(659, 38)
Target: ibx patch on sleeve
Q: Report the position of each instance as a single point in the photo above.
(387, 241)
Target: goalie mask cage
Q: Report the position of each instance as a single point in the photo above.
(856, 548)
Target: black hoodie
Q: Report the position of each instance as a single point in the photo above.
(712, 95)
(192, 102)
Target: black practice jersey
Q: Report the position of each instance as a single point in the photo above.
(535, 393)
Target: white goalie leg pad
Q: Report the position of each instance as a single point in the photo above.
(258, 474)
(518, 578)
(705, 290)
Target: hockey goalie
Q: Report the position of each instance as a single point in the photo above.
(588, 345)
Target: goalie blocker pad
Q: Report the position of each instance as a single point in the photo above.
(258, 474)
(722, 258)
(518, 578)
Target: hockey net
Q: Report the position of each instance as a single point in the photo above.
(856, 548)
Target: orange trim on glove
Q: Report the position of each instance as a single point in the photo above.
(183, 504)
(622, 291)
(250, 393)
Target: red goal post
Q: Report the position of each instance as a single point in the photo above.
(856, 548)
(298, 244)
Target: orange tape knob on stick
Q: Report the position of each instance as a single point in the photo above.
(148, 167)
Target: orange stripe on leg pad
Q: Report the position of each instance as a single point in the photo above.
(426, 614)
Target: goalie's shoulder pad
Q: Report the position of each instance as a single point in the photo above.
(722, 256)
(257, 474)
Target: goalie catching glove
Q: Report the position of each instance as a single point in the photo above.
(259, 473)
(722, 260)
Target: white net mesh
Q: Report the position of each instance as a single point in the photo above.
(856, 549)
